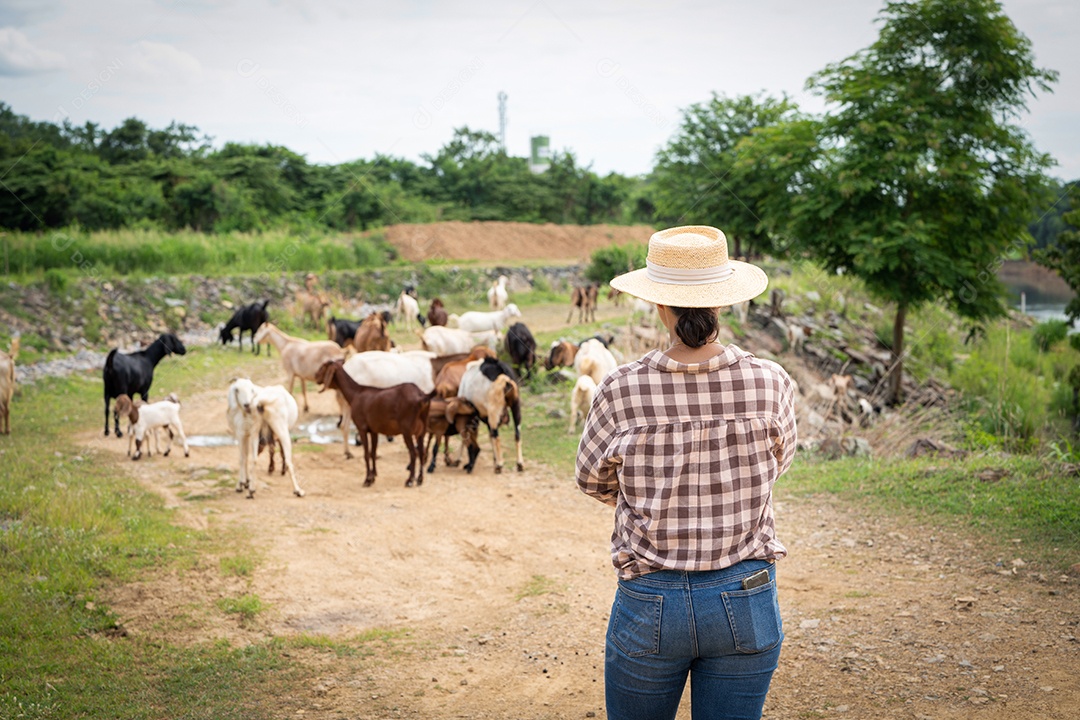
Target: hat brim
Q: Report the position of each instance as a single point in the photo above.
(745, 283)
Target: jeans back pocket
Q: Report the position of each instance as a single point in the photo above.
(635, 622)
(755, 618)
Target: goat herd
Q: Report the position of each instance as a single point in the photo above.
(449, 387)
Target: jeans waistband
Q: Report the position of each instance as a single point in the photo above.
(702, 577)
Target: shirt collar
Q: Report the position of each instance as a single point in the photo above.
(731, 355)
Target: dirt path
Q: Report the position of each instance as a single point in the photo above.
(503, 585)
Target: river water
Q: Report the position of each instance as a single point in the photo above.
(1045, 294)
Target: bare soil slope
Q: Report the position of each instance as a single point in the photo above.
(508, 241)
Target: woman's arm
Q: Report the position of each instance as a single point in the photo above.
(596, 474)
(788, 431)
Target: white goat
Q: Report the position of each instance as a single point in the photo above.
(380, 369)
(796, 336)
(496, 320)
(258, 416)
(497, 295)
(147, 418)
(581, 398)
(7, 384)
(408, 310)
(600, 360)
(495, 400)
(443, 341)
(300, 358)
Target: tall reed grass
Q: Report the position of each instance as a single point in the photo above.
(140, 251)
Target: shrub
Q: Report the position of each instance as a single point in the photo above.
(607, 262)
(56, 280)
(1048, 334)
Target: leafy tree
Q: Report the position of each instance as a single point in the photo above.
(1049, 223)
(125, 143)
(1064, 256)
(918, 181)
(697, 176)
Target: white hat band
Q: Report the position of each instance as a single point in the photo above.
(688, 276)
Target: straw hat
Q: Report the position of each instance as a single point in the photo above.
(689, 267)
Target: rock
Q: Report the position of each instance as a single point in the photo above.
(831, 448)
(856, 446)
(809, 624)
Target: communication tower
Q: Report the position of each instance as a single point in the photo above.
(502, 120)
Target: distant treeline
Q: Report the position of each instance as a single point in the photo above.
(134, 176)
(137, 177)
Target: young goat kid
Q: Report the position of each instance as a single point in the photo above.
(149, 417)
(581, 398)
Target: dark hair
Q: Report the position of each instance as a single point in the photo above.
(696, 326)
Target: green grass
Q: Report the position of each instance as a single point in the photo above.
(238, 565)
(996, 498)
(538, 585)
(246, 606)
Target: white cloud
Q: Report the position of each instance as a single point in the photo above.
(18, 56)
(164, 63)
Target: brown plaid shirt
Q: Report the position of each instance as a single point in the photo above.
(688, 455)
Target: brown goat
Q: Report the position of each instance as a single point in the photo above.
(448, 378)
(371, 335)
(452, 417)
(398, 410)
(562, 355)
(436, 314)
(584, 298)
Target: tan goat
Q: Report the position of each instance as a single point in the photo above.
(300, 358)
(312, 307)
(7, 384)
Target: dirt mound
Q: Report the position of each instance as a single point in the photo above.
(505, 241)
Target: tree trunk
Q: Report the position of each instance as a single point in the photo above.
(737, 241)
(896, 381)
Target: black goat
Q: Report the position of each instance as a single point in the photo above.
(342, 331)
(247, 318)
(521, 347)
(126, 374)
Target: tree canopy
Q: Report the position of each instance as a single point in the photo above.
(918, 180)
(135, 175)
(697, 174)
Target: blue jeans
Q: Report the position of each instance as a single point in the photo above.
(669, 623)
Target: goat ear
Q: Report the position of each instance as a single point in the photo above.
(134, 414)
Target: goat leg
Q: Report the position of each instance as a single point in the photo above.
(421, 449)
(432, 438)
(450, 462)
(496, 447)
(371, 445)
(413, 454)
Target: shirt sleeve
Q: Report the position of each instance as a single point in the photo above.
(788, 437)
(596, 473)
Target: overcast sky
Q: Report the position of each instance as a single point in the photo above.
(341, 80)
